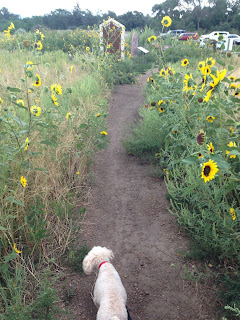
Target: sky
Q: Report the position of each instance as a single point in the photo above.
(29, 8)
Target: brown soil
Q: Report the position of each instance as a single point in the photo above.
(128, 213)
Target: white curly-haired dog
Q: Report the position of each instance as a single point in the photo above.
(110, 296)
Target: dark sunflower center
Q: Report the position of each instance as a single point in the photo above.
(165, 21)
(206, 171)
(185, 62)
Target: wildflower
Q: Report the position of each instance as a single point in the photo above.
(209, 170)
(232, 211)
(71, 69)
(167, 172)
(232, 78)
(39, 45)
(233, 86)
(206, 70)
(35, 110)
(166, 21)
(98, 114)
(189, 83)
(37, 82)
(39, 35)
(210, 118)
(56, 88)
(231, 144)
(20, 102)
(23, 182)
(162, 73)
(104, 133)
(77, 172)
(201, 65)
(87, 49)
(27, 144)
(170, 71)
(158, 155)
(160, 109)
(210, 147)
(15, 248)
(216, 80)
(54, 100)
(200, 156)
(29, 65)
(68, 115)
(210, 62)
(152, 38)
(1, 101)
(184, 62)
(150, 79)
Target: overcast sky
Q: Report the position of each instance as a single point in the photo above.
(29, 8)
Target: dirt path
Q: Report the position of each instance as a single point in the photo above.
(128, 213)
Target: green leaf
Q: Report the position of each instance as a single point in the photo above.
(2, 228)
(190, 159)
(11, 256)
(14, 89)
(167, 142)
(12, 200)
(234, 153)
(221, 163)
(190, 188)
(222, 63)
(48, 142)
(230, 67)
(83, 126)
(233, 99)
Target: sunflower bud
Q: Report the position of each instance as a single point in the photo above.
(229, 54)
(153, 104)
(200, 100)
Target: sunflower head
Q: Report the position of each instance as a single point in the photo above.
(209, 170)
(166, 21)
(184, 62)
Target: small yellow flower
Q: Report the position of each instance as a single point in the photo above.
(210, 62)
(210, 147)
(98, 114)
(68, 115)
(23, 182)
(15, 248)
(37, 82)
(77, 172)
(210, 118)
(71, 69)
(152, 38)
(232, 211)
(1, 101)
(29, 65)
(231, 144)
(104, 133)
(36, 111)
(20, 102)
(54, 100)
(184, 62)
(27, 144)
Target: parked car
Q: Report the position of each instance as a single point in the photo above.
(212, 36)
(230, 36)
(172, 33)
(186, 35)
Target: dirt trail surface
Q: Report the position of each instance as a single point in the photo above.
(128, 213)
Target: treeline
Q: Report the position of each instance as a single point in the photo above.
(192, 15)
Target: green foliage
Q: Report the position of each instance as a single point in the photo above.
(76, 256)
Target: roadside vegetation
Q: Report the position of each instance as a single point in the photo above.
(190, 131)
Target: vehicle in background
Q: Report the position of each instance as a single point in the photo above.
(186, 35)
(172, 33)
(235, 37)
(212, 36)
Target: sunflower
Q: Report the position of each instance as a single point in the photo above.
(200, 155)
(1, 101)
(162, 73)
(184, 62)
(233, 86)
(231, 144)
(210, 147)
(166, 21)
(68, 115)
(97, 115)
(232, 78)
(152, 38)
(71, 69)
(54, 100)
(104, 133)
(20, 102)
(200, 138)
(29, 65)
(218, 78)
(160, 109)
(209, 170)
(15, 247)
(36, 110)
(27, 144)
(206, 70)
(210, 118)
(56, 88)
(23, 182)
(170, 71)
(189, 83)
(201, 65)
(37, 82)
(232, 211)
(150, 79)
(210, 62)
(38, 45)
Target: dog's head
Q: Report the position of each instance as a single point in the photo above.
(94, 257)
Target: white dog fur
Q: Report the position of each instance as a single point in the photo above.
(110, 297)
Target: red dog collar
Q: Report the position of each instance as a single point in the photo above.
(102, 264)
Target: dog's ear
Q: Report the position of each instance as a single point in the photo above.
(88, 264)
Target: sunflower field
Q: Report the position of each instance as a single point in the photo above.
(190, 129)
